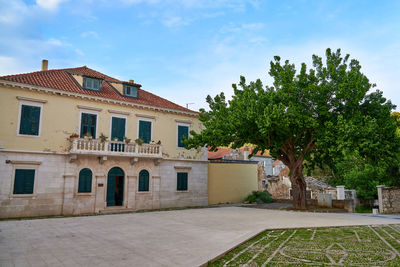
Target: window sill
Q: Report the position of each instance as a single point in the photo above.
(143, 192)
(182, 191)
(28, 135)
(84, 194)
(31, 196)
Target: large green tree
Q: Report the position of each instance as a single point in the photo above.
(307, 116)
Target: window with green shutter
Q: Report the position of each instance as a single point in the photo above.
(85, 181)
(145, 131)
(88, 124)
(30, 120)
(183, 133)
(182, 181)
(144, 180)
(24, 181)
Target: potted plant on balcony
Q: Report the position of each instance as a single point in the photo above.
(115, 139)
(74, 135)
(127, 140)
(159, 142)
(87, 135)
(152, 142)
(139, 141)
(103, 138)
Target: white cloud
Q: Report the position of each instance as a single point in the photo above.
(55, 42)
(92, 34)
(10, 65)
(79, 52)
(12, 12)
(174, 22)
(50, 5)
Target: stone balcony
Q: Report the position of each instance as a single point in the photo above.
(96, 147)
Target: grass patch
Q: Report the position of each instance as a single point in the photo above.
(334, 246)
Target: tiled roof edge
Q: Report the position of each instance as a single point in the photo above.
(96, 98)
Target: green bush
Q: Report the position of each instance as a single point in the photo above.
(363, 209)
(259, 197)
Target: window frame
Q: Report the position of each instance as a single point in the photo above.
(34, 104)
(27, 166)
(150, 184)
(77, 184)
(151, 129)
(187, 181)
(177, 133)
(92, 113)
(120, 117)
(93, 79)
(131, 87)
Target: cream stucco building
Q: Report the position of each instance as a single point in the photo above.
(63, 146)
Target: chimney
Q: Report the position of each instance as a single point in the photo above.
(45, 64)
(131, 81)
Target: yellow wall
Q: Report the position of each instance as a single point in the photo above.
(60, 118)
(119, 87)
(231, 182)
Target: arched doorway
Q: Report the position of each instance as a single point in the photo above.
(115, 187)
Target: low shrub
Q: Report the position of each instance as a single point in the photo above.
(363, 209)
(259, 197)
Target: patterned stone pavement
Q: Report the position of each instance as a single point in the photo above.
(377, 245)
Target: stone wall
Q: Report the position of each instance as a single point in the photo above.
(389, 199)
(56, 180)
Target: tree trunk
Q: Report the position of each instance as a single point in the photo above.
(298, 188)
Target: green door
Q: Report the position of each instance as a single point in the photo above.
(115, 187)
(117, 131)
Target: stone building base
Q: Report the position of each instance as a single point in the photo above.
(56, 184)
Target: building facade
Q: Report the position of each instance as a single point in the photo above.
(76, 141)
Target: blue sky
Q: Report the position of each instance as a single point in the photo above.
(184, 50)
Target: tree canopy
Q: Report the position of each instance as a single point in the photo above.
(305, 117)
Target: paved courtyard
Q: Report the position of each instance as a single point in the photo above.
(168, 238)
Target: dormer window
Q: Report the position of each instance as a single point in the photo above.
(130, 90)
(91, 83)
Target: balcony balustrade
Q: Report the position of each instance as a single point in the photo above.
(114, 148)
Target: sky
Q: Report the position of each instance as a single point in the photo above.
(184, 50)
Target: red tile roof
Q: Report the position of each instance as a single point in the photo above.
(221, 152)
(62, 79)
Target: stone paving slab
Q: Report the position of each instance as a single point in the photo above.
(167, 238)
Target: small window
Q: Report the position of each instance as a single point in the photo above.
(91, 83)
(144, 180)
(23, 182)
(85, 181)
(30, 120)
(182, 181)
(145, 131)
(130, 90)
(183, 133)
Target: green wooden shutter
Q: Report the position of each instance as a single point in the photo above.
(118, 128)
(88, 124)
(145, 131)
(85, 181)
(24, 181)
(183, 133)
(144, 180)
(30, 119)
(182, 181)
